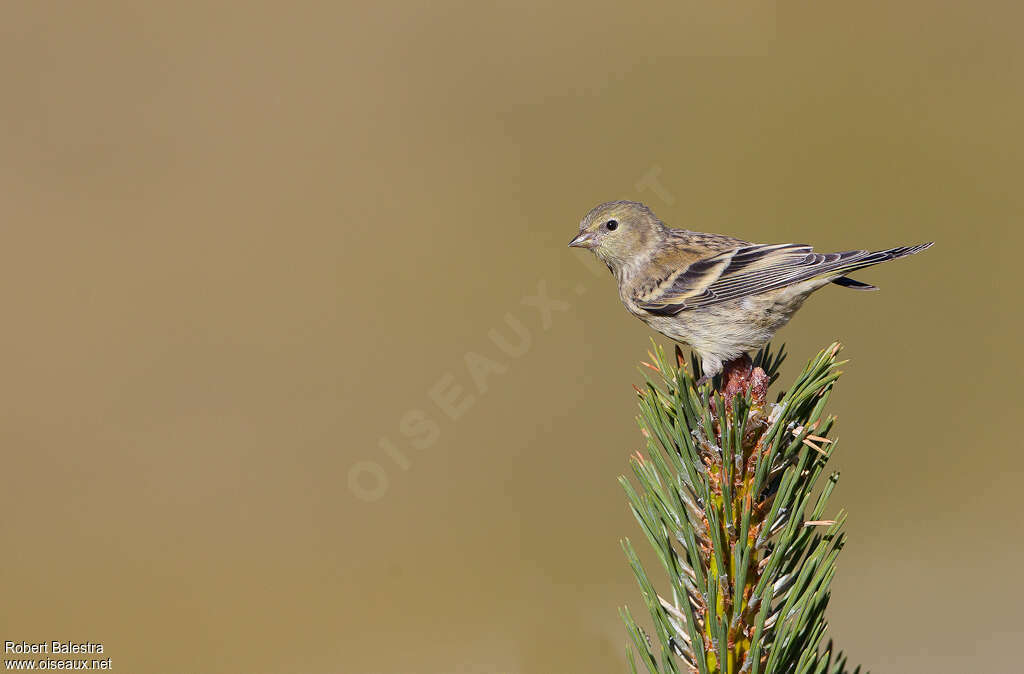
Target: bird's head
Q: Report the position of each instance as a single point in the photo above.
(619, 232)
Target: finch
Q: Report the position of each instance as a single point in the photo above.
(720, 295)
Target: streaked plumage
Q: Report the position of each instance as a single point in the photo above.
(721, 295)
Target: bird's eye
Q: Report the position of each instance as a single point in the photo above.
(612, 225)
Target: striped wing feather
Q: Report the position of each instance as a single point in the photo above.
(754, 269)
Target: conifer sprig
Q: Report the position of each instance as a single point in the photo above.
(726, 497)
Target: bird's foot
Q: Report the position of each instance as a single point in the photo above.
(698, 386)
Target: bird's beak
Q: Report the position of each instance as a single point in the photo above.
(583, 240)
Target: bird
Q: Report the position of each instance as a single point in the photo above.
(720, 295)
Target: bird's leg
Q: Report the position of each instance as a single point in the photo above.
(705, 396)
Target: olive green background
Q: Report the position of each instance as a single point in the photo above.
(247, 250)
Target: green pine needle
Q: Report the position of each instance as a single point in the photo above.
(726, 495)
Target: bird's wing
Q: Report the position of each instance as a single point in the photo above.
(749, 270)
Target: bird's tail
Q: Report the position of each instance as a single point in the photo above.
(874, 258)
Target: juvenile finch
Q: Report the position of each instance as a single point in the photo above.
(722, 296)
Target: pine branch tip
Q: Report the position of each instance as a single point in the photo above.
(724, 496)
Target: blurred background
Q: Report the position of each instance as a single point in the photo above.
(300, 376)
